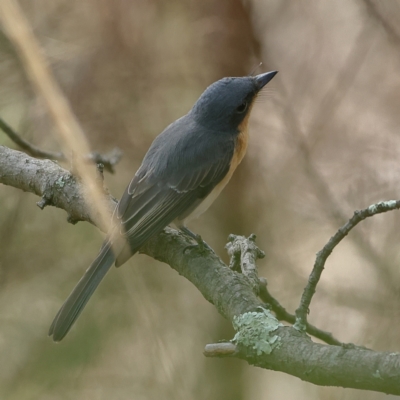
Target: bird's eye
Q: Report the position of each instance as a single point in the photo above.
(242, 108)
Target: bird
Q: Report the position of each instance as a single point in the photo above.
(183, 172)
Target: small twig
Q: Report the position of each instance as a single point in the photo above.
(44, 201)
(283, 315)
(309, 290)
(226, 349)
(108, 160)
(30, 149)
(100, 173)
(244, 253)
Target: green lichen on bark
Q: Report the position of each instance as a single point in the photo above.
(255, 330)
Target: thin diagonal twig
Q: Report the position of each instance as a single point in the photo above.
(29, 148)
(108, 160)
(378, 208)
(283, 315)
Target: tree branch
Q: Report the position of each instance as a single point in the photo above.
(296, 354)
(260, 340)
(20, 33)
(109, 160)
(302, 310)
(55, 185)
(26, 146)
(244, 254)
(283, 315)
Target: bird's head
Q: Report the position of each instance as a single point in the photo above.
(225, 104)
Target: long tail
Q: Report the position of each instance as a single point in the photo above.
(76, 301)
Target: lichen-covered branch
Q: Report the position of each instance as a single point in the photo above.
(297, 355)
(288, 350)
(244, 253)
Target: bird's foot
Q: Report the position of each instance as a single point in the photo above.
(201, 245)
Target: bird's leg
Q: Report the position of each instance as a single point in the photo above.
(200, 242)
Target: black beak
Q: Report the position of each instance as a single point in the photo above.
(263, 79)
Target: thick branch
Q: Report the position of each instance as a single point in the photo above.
(230, 292)
(297, 355)
(55, 185)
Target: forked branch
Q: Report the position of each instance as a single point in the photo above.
(261, 340)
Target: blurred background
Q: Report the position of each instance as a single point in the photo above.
(324, 142)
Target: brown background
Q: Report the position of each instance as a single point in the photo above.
(324, 142)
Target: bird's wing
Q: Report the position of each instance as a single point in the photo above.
(147, 206)
(153, 201)
(180, 168)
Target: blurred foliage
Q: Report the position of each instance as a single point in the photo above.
(324, 142)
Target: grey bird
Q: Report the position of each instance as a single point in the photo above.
(183, 172)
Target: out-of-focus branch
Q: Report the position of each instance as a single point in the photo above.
(324, 113)
(302, 310)
(374, 12)
(29, 148)
(108, 160)
(331, 206)
(280, 348)
(18, 30)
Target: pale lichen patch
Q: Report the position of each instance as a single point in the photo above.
(255, 330)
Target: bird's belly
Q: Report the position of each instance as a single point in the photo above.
(240, 151)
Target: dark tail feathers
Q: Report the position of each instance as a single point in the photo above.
(78, 298)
